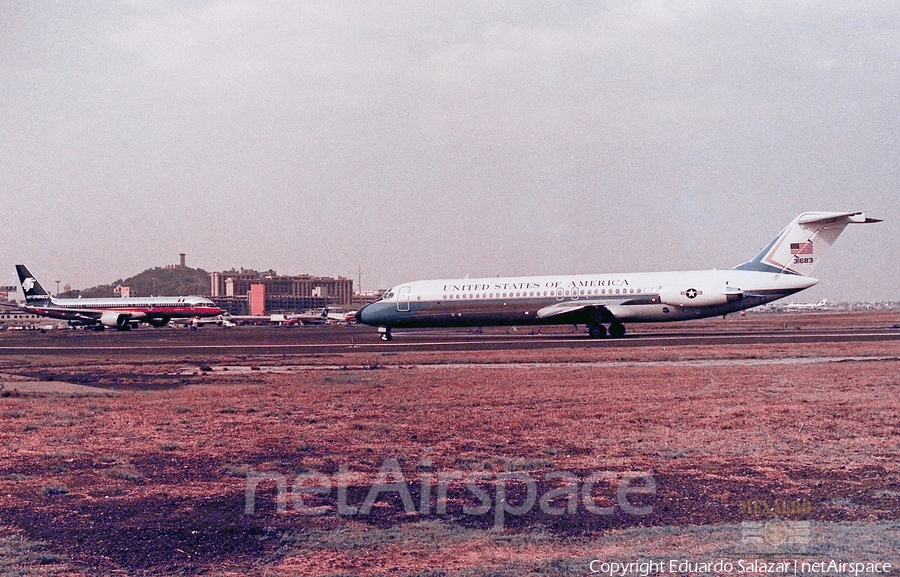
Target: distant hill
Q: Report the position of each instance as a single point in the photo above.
(158, 281)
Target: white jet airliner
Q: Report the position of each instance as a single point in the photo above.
(119, 313)
(597, 300)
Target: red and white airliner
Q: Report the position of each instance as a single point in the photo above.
(118, 313)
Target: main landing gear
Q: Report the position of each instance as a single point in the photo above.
(596, 330)
(385, 333)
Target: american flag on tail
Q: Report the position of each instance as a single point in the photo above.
(801, 248)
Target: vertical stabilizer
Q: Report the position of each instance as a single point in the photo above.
(31, 288)
(800, 246)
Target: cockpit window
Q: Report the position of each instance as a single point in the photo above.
(388, 295)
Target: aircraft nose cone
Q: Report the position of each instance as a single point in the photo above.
(359, 314)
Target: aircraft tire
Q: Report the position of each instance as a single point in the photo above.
(617, 330)
(596, 331)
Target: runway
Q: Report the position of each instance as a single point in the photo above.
(355, 339)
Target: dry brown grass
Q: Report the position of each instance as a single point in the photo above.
(151, 477)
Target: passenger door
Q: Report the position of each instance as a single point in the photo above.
(403, 299)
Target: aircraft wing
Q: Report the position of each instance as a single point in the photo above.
(566, 307)
(596, 305)
(84, 316)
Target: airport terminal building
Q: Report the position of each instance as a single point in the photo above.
(252, 292)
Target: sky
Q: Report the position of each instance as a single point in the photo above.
(414, 140)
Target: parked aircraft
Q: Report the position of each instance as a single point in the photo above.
(782, 268)
(118, 313)
(295, 319)
(341, 317)
(796, 307)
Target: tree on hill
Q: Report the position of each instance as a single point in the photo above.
(157, 281)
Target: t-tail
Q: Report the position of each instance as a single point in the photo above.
(801, 245)
(31, 288)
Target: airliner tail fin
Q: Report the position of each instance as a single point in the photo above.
(31, 288)
(800, 246)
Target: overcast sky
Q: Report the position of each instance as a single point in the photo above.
(445, 139)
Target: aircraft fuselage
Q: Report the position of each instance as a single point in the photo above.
(590, 298)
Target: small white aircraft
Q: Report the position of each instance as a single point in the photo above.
(342, 317)
(118, 313)
(792, 306)
(597, 300)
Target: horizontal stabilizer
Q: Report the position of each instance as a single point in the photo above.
(825, 217)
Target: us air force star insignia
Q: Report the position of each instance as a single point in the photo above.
(691, 293)
(28, 284)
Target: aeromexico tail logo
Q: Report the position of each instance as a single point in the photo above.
(28, 284)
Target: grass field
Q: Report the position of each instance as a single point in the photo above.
(533, 462)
